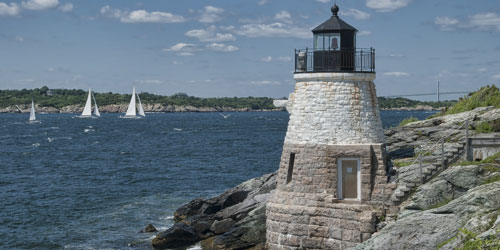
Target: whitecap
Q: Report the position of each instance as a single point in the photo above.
(178, 129)
(88, 130)
(50, 139)
(36, 145)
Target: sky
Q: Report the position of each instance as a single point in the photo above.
(218, 48)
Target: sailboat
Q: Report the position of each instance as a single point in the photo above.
(132, 109)
(87, 111)
(32, 113)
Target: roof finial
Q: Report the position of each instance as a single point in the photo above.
(335, 10)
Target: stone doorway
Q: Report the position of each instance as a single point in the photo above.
(349, 174)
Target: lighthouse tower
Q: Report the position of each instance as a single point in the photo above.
(332, 175)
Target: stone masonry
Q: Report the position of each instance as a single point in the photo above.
(332, 116)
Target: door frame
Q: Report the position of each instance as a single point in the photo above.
(339, 177)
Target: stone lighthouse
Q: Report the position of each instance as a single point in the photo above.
(332, 177)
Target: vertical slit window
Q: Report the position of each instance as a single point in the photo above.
(290, 168)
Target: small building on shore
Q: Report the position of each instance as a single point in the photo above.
(332, 180)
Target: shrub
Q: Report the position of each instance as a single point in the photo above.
(408, 120)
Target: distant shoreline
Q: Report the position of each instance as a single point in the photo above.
(122, 108)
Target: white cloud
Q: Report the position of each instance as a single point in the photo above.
(283, 16)
(496, 77)
(141, 16)
(273, 30)
(485, 21)
(268, 59)
(262, 2)
(266, 82)
(210, 35)
(357, 14)
(188, 49)
(183, 49)
(323, 1)
(222, 47)
(364, 33)
(20, 39)
(39, 4)
(482, 70)
(396, 74)
(386, 5)
(9, 10)
(482, 21)
(68, 7)
(210, 14)
(446, 23)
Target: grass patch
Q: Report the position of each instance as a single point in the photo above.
(442, 244)
(492, 179)
(484, 127)
(472, 242)
(440, 204)
(486, 96)
(408, 120)
(400, 164)
(491, 159)
(491, 168)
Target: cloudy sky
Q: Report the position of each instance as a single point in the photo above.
(216, 48)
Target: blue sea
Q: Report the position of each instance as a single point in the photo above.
(70, 183)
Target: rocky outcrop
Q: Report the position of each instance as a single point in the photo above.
(233, 220)
(456, 199)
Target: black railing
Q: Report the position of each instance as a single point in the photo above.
(345, 60)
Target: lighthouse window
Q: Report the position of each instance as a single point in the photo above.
(290, 168)
(329, 41)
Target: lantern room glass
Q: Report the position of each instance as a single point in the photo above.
(327, 41)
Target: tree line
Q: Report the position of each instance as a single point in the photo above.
(59, 98)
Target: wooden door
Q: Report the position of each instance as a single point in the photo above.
(349, 179)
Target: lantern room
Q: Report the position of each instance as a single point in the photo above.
(334, 49)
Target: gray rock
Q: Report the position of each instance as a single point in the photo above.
(427, 229)
(222, 226)
(451, 184)
(235, 219)
(179, 235)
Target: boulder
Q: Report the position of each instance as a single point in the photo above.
(179, 235)
(149, 229)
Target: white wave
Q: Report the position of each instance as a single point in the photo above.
(36, 145)
(50, 139)
(178, 129)
(195, 247)
(88, 130)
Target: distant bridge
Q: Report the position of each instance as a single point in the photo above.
(429, 94)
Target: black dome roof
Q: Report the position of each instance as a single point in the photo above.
(334, 24)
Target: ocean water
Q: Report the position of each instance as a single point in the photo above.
(70, 183)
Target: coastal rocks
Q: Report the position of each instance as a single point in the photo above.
(235, 219)
(429, 228)
(177, 236)
(149, 229)
(451, 184)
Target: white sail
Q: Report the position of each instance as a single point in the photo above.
(96, 109)
(87, 111)
(32, 111)
(141, 110)
(131, 112)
